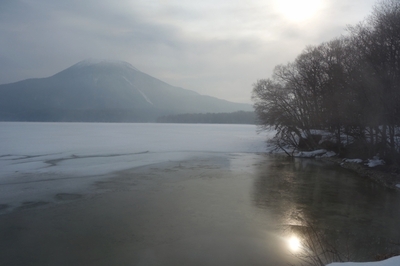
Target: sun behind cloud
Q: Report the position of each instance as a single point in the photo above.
(299, 11)
(294, 244)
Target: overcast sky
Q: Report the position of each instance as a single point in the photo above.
(215, 47)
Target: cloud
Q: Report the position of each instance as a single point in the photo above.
(215, 47)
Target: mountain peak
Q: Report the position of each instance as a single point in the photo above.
(103, 62)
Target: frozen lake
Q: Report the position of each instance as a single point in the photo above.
(38, 160)
(40, 147)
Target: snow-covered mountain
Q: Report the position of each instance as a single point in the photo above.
(99, 90)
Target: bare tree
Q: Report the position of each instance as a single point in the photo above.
(349, 85)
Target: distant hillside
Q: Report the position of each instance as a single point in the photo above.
(240, 117)
(109, 91)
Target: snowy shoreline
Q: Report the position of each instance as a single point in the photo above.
(373, 169)
(394, 261)
(380, 176)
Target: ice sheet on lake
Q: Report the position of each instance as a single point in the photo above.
(39, 158)
(64, 147)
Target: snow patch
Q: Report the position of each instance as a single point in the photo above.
(370, 162)
(141, 92)
(310, 154)
(327, 155)
(322, 153)
(91, 62)
(127, 80)
(375, 162)
(394, 261)
(327, 136)
(145, 97)
(345, 160)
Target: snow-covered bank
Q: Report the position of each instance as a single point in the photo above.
(364, 168)
(322, 153)
(395, 261)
